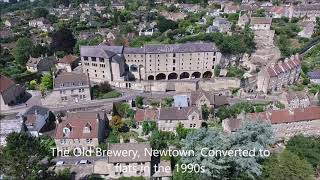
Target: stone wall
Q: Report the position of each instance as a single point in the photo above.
(180, 86)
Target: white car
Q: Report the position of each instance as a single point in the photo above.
(83, 162)
(59, 163)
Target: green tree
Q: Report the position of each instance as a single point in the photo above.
(22, 50)
(46, 82)
(167, 102)
(139, 101)
(205, 111)
(20, 158)
(307, 148)
(63, 40)
(165, 24)
(33, 85)
(159, 140)
(116, 122)
(286, 165)
(40, 12)
(252, 135)
(182, 132)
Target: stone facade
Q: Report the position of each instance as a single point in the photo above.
(273, 78)
(169, 118)
(293, 100)
(260, 23)
(151, 62)
(71, 87)
(288, 123)
(80, 130)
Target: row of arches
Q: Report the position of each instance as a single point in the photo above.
(183, 75)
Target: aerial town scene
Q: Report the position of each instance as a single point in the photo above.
(160, 89)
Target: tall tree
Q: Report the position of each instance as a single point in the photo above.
(63, 40)
(252, 135)
(287, 165)
(307, 148)
(23, 50)
(20, 158)
(40, 12)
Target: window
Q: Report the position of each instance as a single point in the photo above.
(173, 68)
(93, 59)
(174, 55)
(101, 60)
(174, 61)
(85, 58)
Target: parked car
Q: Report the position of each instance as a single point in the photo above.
(59, 163)
(83, 162)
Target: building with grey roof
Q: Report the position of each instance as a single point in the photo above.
(151, 62)
(35, 119)
(71, 87)
(169, 118)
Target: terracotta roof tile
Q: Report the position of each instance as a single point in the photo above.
(77, 125)
(68, 59)
(5, 83)
(146, 115)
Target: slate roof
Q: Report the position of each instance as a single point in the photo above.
(102, 51)
(297, 95)
(139, 147)
(176, 113)
(314, 74)
(41, 63)
(180, 48)
(214, 99)
(181, 101)
(283, 67)
(307, 7)
(70, 79)
(133, 50)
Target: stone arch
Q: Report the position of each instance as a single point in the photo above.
(151, 77)
(196, 75)
(134, 68)
(207, 74)
(184, 75)
(172, 76)
(161, 76)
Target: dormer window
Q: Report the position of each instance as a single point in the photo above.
(67, 130)
(87, 129)
(61, 84)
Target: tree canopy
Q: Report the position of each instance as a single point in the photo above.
(286, 165)
(252, 136)
(23, 50)
(307, 148)
(20, 157)
(63, 40)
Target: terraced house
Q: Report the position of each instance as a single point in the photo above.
(273, 78)
(151, 62)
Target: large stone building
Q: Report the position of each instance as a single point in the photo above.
(80, 130)
(71, 87)
(288, 123)
(275, 77)
(151, 62)
(285, 123)
(308, 10)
